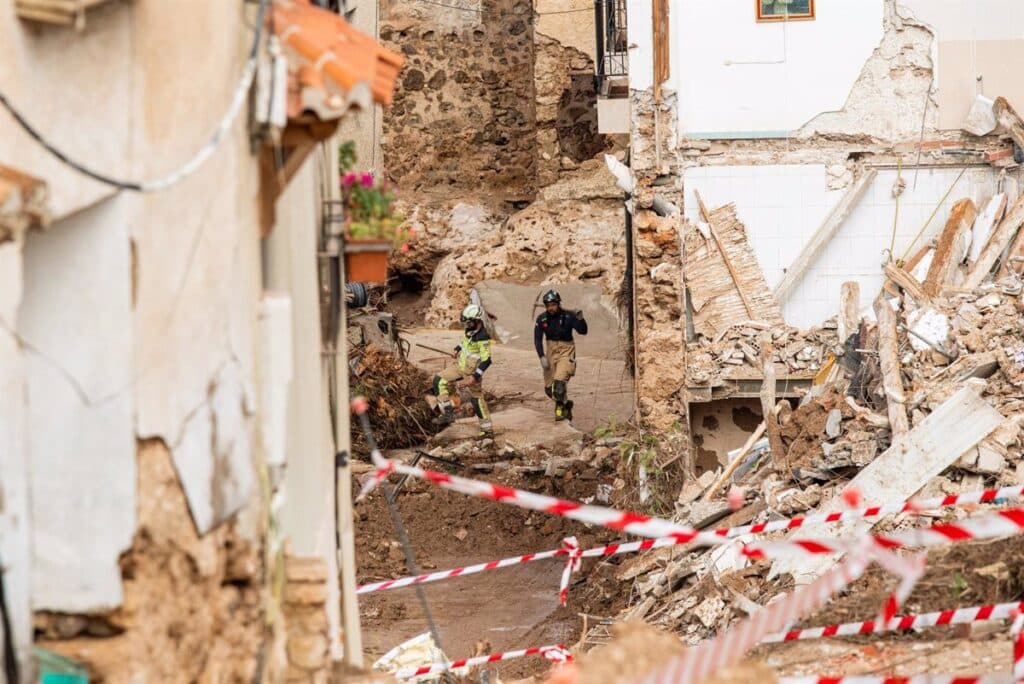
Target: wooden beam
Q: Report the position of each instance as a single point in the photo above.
(1010, 120)
(767, 395)
(889, 360)
(997, 242)
(725, 256)
(906, 281)
(823, 235)
(724, 477)
(849, 309)
(950, 247)
(987, 220)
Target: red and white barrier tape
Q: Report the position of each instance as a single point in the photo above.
(992, 525)
(916, 679)
(460, 572)
(556, 653)
(901, 623)
(704, 659)
(910, 506)
(573, 564)
(985, 496)
(634, 523)
(997, 524)
(1017, 630)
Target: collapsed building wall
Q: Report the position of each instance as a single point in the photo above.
(789, 186)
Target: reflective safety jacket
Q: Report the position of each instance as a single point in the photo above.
(475, 353)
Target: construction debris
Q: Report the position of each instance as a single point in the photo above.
(929, 400)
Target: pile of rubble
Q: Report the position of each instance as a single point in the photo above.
(736, 352)
(927, 399)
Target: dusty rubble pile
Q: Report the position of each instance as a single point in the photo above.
(736, 352)
(951, 346)
(395, 388)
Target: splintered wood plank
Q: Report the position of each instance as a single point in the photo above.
(724, 279)
(1010, 120)
(906, 281)
(987, 220)
(849, 309)
(997, 242)
(889, 360)
(950, 248)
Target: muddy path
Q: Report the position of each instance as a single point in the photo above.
(513, 607)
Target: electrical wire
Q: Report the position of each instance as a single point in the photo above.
(189, 167)
(500, 13)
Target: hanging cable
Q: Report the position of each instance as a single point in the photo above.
(897, 189)
(189, 167)
(934, 212)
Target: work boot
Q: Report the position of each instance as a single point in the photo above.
(447, 416)
(559, 411)
(568, 410)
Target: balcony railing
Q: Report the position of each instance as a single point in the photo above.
(612, 44)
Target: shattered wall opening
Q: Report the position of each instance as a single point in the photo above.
(718, 427)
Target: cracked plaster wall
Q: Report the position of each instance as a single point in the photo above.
(139, 315)
(74, 315)
(15, 528)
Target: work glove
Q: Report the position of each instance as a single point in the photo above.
(579, 314)
(544, 363)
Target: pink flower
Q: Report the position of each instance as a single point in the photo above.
(366, 180)
(348, 180)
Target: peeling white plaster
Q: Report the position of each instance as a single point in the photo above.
(198, 291)
(15, 532)
(739, 78)
(214, 458)
(75, 323)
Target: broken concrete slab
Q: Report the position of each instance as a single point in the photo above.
(897, 474)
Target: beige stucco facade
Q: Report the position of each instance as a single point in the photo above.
(135, 316)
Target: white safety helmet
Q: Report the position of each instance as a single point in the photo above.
(472, 313)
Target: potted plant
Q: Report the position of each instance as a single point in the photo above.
(372, 229)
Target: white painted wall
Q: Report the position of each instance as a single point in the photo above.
(75, 322)
(782, 206)
(309, 473)
(15, 527)
(737, 77)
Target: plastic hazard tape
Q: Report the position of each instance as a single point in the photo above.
(910, 506)
(997, 524)
(901, 623)
(916, 679)
(989, 496)
(556, 653)
(1017, 630)
(704, 659)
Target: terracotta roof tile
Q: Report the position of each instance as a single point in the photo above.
(331, 64)
(23, 202)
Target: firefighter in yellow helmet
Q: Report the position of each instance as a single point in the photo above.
(559, 360)
(473, 355)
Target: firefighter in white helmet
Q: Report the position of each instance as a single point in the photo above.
(473, 355)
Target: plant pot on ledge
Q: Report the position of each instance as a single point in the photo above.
(366, 260)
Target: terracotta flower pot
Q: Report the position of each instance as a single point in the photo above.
(366, 260)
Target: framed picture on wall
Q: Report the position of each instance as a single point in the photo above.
(784, 10)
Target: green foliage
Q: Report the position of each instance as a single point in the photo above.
(606, 430)
(958, 587)
(368, 203)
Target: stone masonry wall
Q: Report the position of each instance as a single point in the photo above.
(463, 117)
(305, 614)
